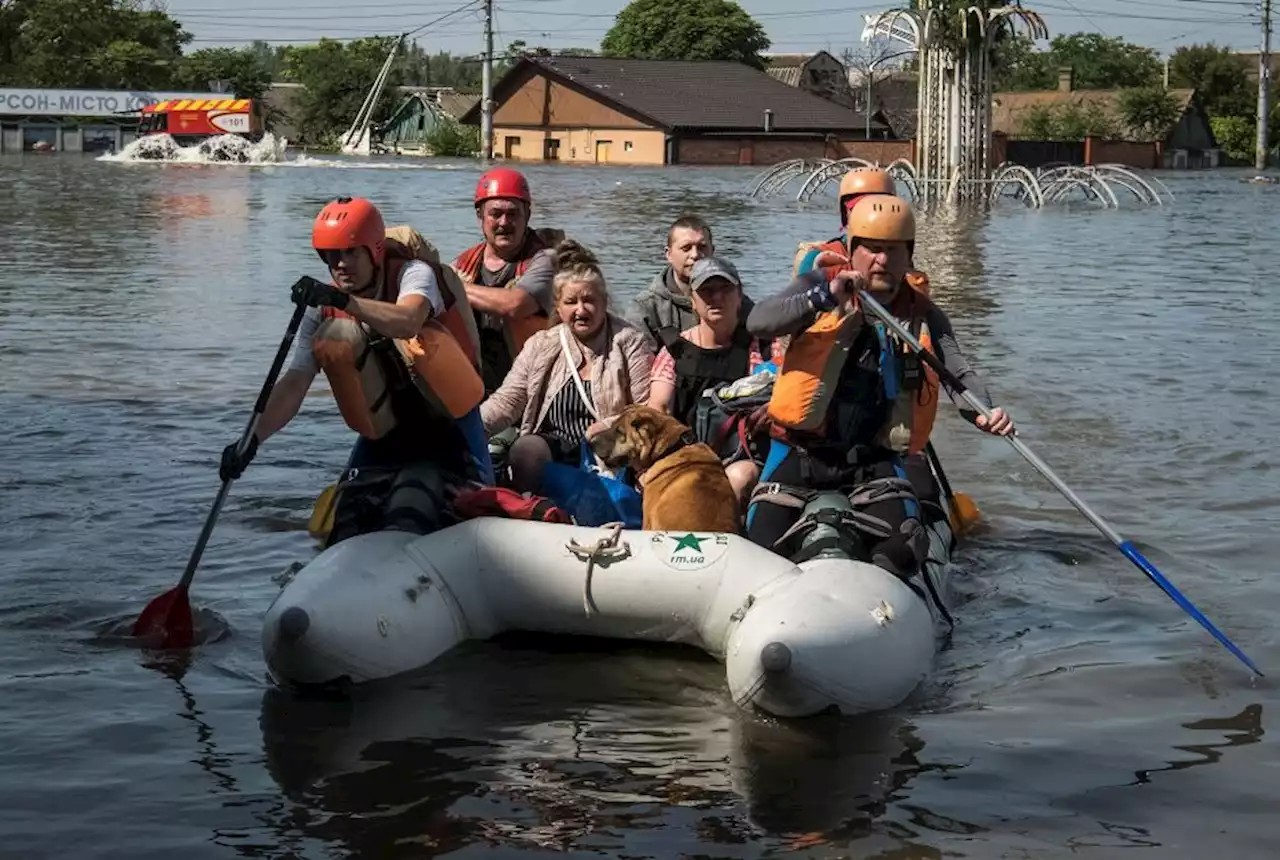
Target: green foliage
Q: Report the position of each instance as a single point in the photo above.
(452, 139)
(1098, 63)
(1236, 136)
(1019, 66)
(1148, 112)
(686, 30)
(243, 69)
(88, 43)
(336, 78)
(1218, 77)
(1069, 121)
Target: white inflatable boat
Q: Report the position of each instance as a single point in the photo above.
(795, 639)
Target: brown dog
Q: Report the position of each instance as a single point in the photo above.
(683, 481)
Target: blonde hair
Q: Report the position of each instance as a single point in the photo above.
(574, 265)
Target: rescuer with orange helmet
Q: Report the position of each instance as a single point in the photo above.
(390, 334)
(508, 276)
(851, 402)
(854, 185)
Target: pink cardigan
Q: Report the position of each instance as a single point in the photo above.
(619, 376)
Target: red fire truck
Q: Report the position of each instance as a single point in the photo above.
(190, 121)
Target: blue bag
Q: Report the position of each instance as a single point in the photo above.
(591, 498)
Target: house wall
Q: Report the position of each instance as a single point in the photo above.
(1145, 156)
(548, 104)
(759, 149)
(581, 145)
(1192, 132)
(826, 77)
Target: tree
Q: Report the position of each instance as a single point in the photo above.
(336, 78)
(88, 43)
(1218, 77)
(686, 30)
(449, 138)
(1098, 63)
(1235, 136)
(1019, 66)
(1148, 111)
(1068, 121)
(242, 69)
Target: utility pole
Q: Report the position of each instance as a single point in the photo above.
(1264, 88)
(486, 86)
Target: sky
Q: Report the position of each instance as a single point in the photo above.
(792, 25)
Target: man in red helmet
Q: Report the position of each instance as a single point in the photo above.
(394, 297)
(508, 275)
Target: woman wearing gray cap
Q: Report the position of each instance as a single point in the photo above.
(715, 352)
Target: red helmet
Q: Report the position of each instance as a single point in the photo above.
(350, 222)
(503, 182)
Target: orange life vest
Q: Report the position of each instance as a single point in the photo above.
(815, 359)
(514, 332)
(442, 360)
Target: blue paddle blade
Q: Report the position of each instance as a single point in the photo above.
(1131, 553)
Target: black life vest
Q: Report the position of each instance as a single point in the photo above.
(861, 406)
(698, 369)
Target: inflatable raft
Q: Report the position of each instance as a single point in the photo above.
(795, 639)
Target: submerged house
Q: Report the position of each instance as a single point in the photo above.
(406, 131)
(1187, 142)
(627, 111)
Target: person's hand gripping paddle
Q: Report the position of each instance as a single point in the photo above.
(166, 621)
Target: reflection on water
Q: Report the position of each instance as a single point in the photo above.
(139, 309)
(591, 750)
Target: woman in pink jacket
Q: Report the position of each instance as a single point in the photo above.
(583, 371)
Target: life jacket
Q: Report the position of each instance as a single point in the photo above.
(886, 397)
(367, 371)
(514, 332)
(699, 369)
(807, 254)
(502, 502)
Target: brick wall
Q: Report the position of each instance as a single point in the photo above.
(1145, 156)
(771, 150)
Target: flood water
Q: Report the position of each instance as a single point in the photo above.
(1076, 712)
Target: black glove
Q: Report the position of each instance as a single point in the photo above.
(313, 293)
(232, 466)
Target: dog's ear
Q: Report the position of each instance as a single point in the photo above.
(639, 425)
(669, 431)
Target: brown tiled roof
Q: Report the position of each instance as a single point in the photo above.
(1009, 108)
(684, 94)
(456, 104)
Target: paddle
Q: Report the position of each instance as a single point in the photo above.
(1125, 546)
(963, 510)
(167, 618)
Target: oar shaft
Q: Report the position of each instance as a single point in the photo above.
(258, 407)
(1125, 546)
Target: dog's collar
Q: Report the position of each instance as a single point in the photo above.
(686, 439)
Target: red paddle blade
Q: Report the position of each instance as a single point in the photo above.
(167, 621)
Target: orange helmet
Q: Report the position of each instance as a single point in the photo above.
(503, 182)
(883, 218)
(350, 222)
(856, 183)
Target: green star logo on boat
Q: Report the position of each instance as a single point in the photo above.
(689, 541)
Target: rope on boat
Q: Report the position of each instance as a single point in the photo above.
(605, 549)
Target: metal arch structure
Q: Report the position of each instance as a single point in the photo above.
(780, 175)
(824, 174)
(1021, 180)
(954, 102)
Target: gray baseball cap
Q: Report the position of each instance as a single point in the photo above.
(713, 267)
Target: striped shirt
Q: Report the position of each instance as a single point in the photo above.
(568, 417)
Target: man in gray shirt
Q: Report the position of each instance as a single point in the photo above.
(665, 308)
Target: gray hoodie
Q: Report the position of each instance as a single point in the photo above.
(662, 305)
